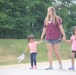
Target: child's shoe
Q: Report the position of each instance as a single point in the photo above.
(71, 68)
(35, 67)
(31, 67)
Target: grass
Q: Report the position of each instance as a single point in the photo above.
(10, 49)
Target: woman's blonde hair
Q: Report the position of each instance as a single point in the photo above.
(54, 16)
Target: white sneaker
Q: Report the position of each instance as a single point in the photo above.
(60, 66)
(49, 68)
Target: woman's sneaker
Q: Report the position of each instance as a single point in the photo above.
(71, 68)
(60, 66)
(49, 68)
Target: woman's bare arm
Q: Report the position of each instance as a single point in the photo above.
(43, 33)
(63, 32)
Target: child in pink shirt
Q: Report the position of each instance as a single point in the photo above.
(32, 44)
(73, 47)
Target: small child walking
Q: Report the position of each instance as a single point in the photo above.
(73, 47)
(32, 44)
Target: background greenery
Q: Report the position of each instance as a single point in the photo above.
(19, 18)
(10, 49)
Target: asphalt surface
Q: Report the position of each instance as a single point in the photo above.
(23, 69)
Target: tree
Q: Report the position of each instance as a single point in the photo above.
(20, 18)
(66, 9)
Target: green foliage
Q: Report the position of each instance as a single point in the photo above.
(19, 18)
(66, 9)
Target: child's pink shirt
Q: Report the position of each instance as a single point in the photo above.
(32, 47)
(73, 47)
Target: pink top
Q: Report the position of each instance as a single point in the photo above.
(73, 47)
(53, 31)
(32, 47)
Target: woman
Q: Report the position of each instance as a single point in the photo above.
(53, 29)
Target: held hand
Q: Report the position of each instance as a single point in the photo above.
(41, 38)
(64, 38)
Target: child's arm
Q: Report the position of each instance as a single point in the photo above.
(26, 49)
(39, 42)
(69, 41)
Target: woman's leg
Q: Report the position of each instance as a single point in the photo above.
(49, 47)
(56, 50)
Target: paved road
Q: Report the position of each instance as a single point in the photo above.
(23, 69)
